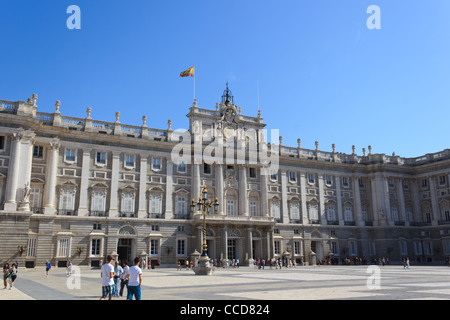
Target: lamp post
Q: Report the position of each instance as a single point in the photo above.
(204, 205)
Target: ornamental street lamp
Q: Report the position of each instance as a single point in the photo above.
(204, 205)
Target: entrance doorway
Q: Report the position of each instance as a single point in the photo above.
(317, 248)
(124, 247)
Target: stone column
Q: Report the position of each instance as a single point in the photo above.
(243, 202)
(84, 185)
(219, 187)
(264, 195)
(434, 202)
(339, 200)
(142, 213)
(322, 211)
(284, 205)
(169, 191)
(305, 219)
(195, 182)
(357, 197)
(374, 201)
(113, 198)
(13, 174)
(50, 186)
(401, 200)
(250, 245)
(417, 214)
(24, 168)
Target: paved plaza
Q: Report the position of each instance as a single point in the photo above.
(246, 283)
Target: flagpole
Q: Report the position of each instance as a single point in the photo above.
(194, 82)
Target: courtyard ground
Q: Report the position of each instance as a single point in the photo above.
(246, 283)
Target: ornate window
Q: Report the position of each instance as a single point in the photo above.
(331, 212)
(294, 210)
(67, 194)
(275, 208)
(313, 210)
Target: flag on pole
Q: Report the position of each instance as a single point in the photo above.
(188, 73)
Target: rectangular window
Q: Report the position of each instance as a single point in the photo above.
(395, 214)
(447, 215)
(313, 212)
(276, 247)
(64, 247)
(417, 248)
(292, 177)
(127, 203)
(297, 250)
(31, 247)
(253, 208)
(38, 151)
(345, 182)
(129, 161)
(156, 203)
(273, 175)
(67, 200)
(275, 210)
(353, 248)
(311, 178)
(98, 201)
(181, 205)
(206, 168)
(442, 180)
(403, 248)
(2, 143)
(331, 213)
(95, 247)
(230, 207)
(181, 168)
(295, 211)
(424, 183)
(252, 172)
(156, 164)
(181, 247)
(70, 155)
(154, 247)
(101, 158)
(348, 214)
(35, 198)
(328, 181)
(334, 248)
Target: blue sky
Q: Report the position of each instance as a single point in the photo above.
(323, 75)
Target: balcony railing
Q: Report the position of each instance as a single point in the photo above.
(156, 215)
(128, 214)
(67, 212)
(38, 210)
(96, 213)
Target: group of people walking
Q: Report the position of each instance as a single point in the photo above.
(9, 275)
(130, 277)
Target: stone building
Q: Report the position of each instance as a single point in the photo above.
(78, 189)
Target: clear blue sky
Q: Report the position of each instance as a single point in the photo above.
(323, 75)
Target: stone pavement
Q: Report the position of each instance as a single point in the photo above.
(246, 283)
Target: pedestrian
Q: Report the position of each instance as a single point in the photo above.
(134, 277)
(118, 270)
(6, 275)
(69, 268)
(123, 277)
(48, 266)
(179, 265)
(407, 263)
(12, 274)
(107, 275)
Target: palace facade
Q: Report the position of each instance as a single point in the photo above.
(79, 189)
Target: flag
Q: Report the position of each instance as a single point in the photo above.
(188, 73)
